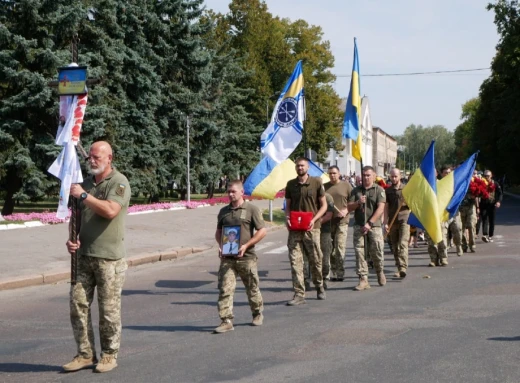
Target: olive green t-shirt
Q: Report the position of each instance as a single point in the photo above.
(102, 237)
(305, 196)
(375, 195)
(340, 193)
(394, 196)
(248, 217)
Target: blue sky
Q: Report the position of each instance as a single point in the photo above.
(402, 36)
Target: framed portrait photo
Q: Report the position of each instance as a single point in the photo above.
(230, 241)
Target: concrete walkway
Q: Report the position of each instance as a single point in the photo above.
(33, 256)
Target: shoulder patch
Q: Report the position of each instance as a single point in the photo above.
(120, 191)
(383, 194)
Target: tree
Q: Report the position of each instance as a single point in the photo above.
(34, 41)
(497, 121)
(416, 139)
(465, 131)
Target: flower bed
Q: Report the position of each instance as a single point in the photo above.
(50, 217)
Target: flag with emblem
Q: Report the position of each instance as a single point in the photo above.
(285, 130)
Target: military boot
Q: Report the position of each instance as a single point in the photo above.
(381, 278)
(432, 263)
(444, 262)
(402, 273)
(321, 294)
(297, 300)
(258, 319)
(459, 251)
(79, 363)
(107, 363)
(225, 326)
(363, 284)
(472, 249)
(307, 285)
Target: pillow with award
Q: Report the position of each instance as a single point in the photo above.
(230, 242)
(300, 220)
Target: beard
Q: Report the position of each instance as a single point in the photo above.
(97, 171)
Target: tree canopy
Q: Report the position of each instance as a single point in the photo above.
(161, 64)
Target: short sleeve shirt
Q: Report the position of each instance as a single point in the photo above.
(394, 196)
(340, 193)
(375, 195)
(102, 237)
(248, 217)
(305, 196)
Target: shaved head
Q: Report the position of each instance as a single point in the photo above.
(102, 146)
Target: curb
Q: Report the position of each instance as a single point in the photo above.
(60, 275)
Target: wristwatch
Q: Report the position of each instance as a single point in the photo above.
(370, 223)
(83, 196)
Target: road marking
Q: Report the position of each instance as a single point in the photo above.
(278, 250)
(264, 245)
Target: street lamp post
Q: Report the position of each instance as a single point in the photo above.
(188, 158)
(274, 95)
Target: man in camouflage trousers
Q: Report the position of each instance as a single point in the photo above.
(455, 223)
(399, 233)
(305, 194)
(246, 219)
(368, 203)
(340, 192)
(469, 211)
(438, 252)
(104, 200)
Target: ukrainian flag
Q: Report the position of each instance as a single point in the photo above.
(352, 119)
(420, 194)
(452, 189)
(268, 177)
(285, 130)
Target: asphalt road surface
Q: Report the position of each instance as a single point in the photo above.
(459, 323)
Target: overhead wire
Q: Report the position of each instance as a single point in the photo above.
(415, 73)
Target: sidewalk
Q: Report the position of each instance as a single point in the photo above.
(34, 256)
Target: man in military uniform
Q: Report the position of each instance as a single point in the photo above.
(488, 207)
(454, 224)
(399, 233)
(340, 192)
(104, 201)
(469, 209)
(252, 229)
(368, 203)
(305, 194)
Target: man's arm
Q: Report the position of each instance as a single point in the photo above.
(105, 208)
(327, 217)
(288, 213)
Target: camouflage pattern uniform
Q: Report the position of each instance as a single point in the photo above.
(438, 251)
(249, 218)
(247, 269)
(109, 277)
(101, 264)
(468, 216)
(399, 234)
(308, 241)
(305, 197)
(340, 193)
(455, 228)
(326, 249)
(374, 196)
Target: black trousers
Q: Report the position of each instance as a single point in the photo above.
(487, 216)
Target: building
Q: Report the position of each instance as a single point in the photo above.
(384, 151)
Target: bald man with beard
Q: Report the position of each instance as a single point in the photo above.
(104, 199)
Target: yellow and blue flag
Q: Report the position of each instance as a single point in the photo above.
(352, 119)
(452, 188)
(420, 195)
(268, 177)
(285, 130)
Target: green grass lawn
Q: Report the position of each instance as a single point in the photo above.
(278, 216)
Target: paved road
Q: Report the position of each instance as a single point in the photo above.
(460, 325)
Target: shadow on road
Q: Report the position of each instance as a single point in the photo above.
(506, 339)
(170, 328)
(181, 284)
(25, 367)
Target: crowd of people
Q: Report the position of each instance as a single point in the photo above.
(317, 221)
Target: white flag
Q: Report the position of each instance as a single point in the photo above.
(284, 133)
